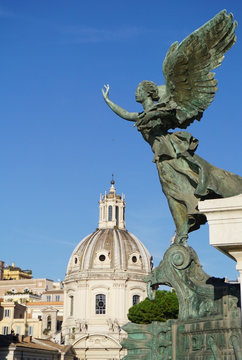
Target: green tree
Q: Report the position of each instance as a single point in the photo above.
(164, 307)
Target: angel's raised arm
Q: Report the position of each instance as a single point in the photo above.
(130, 116)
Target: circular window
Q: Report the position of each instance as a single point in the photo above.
(134, 259)
(102, 257)
(75, 260)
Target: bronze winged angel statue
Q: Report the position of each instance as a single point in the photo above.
(189, 88)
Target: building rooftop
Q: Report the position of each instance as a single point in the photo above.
(12, 272)
(31, 343)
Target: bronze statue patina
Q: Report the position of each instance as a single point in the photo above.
(190, 87)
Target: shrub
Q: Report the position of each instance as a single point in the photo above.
(164, 307)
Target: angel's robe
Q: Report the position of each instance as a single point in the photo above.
(186, 177)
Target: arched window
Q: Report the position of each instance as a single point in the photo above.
(30, 330)
(100, 304)
(5, 330)
(110, 213)
(71, 305)
(117, 215)
(136, 299)
(6, 313)
(48, 322)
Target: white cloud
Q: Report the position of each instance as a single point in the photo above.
(85, 34)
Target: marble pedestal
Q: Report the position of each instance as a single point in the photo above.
(225, 227)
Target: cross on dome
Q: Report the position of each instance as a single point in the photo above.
(112, 182)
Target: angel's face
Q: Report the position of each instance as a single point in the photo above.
(140, 94)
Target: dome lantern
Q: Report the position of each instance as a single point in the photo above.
(111, 209)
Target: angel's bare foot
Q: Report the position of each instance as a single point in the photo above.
(181, 239)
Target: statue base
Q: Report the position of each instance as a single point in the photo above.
(209, 322)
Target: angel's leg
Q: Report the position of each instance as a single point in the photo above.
(180, 217)
(178, 182)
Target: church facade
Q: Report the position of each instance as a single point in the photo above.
(104, 279)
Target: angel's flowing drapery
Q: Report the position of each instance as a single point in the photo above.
(187, 178)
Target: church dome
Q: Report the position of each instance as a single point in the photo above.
(111, 248)
(105, 277)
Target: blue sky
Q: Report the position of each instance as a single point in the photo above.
(59, 142)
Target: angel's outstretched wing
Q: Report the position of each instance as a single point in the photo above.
(187, 66)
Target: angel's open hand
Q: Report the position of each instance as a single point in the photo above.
(106, 92)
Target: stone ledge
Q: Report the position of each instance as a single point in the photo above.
(224, 217)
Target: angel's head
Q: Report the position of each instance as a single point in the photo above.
(146, 89)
